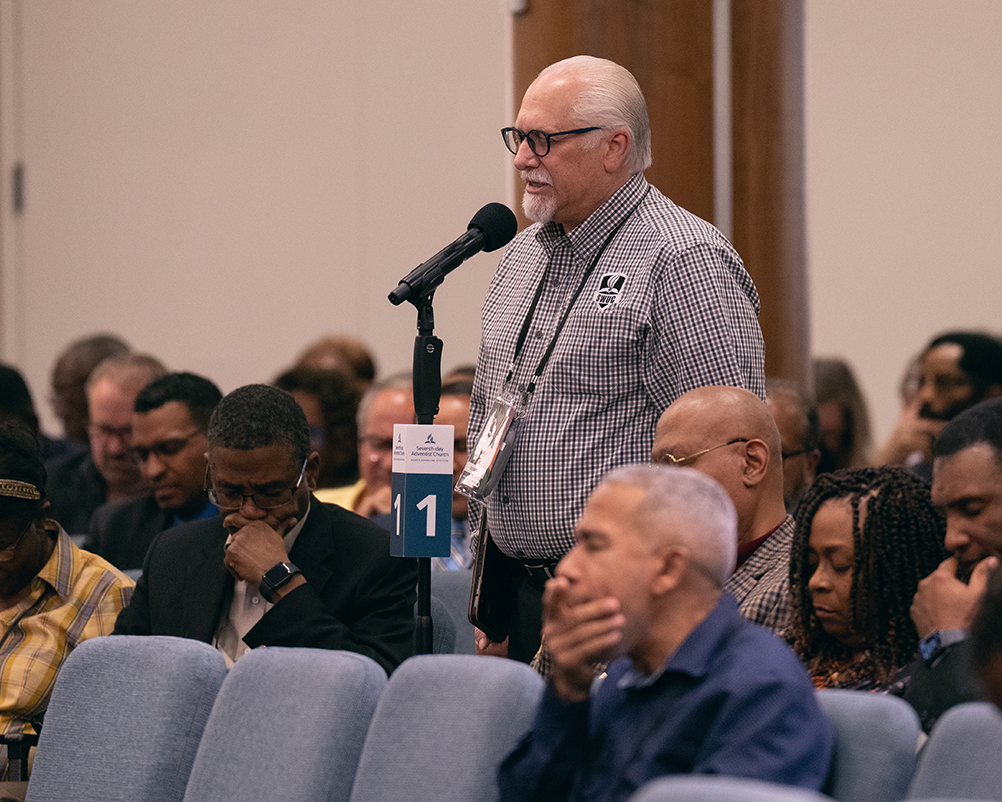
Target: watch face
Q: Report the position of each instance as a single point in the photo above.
(275, 577)
(929, 646)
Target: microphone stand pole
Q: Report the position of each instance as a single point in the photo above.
(427, 393)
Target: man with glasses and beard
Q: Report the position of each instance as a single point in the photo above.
(599, 316)
(278, 567)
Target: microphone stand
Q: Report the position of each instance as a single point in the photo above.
(427, 393)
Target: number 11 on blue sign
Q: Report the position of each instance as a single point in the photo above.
(427, 503)
(422, 487)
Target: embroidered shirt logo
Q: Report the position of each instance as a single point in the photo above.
(609, 289)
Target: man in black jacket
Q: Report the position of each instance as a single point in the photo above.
(967, 486)
(278, 568)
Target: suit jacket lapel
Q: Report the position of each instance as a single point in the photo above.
(315, 546)
(208, 586)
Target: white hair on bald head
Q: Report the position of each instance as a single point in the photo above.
(701, 513)
(611, 99)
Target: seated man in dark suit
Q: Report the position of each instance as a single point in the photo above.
(278, 568)
(171, 415)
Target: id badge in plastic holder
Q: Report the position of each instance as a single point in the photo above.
(487, 460)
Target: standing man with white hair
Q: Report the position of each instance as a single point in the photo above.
(615, 304)
(692, 687)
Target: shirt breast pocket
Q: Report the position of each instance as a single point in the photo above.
(599, 353)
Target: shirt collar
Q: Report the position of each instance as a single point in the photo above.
(693, 656)
(292, 534)
(210, 510)
(746, 550)
(57, 572)
(586, 238)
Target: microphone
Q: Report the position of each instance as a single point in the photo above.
(491, 228)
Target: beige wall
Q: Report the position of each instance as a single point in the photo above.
(904, 179)
(223, 181)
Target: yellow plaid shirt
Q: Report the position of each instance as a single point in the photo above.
(77, 595)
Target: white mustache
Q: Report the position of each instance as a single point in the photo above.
(536, 177)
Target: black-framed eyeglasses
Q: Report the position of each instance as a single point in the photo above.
(7, 553)
(539, 141)
(228, 499)
(671, 458)
(163, 449)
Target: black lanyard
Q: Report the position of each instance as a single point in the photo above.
(563, 319)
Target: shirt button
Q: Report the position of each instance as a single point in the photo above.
(538, 334)
(255, 599)
(555, 282)
(505, 499)
(520, 554)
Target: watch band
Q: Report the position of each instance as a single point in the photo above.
(933, 646)
(276, 577)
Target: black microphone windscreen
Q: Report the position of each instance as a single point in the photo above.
(498, 224)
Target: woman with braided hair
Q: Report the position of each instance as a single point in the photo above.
(864, 538)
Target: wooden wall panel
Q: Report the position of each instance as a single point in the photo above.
(667, 46)
(767, 94)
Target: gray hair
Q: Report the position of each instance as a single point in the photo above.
(127, 369)
(709, 525)
(259, 415)
(611, 99)
(398, 381)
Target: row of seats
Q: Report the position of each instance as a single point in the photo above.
(157, 718)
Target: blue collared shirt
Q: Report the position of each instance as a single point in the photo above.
(732, 700)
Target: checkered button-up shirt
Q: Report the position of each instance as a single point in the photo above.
(668, 307)
(762, 584)
(76, 596)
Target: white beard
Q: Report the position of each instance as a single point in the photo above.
(536, 208)
(539, 210)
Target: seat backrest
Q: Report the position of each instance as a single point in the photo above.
(963, 756)
(707, 788)
(877, 739)
(288, 724)
(442, 728)
(453, 588)
(125, 720)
